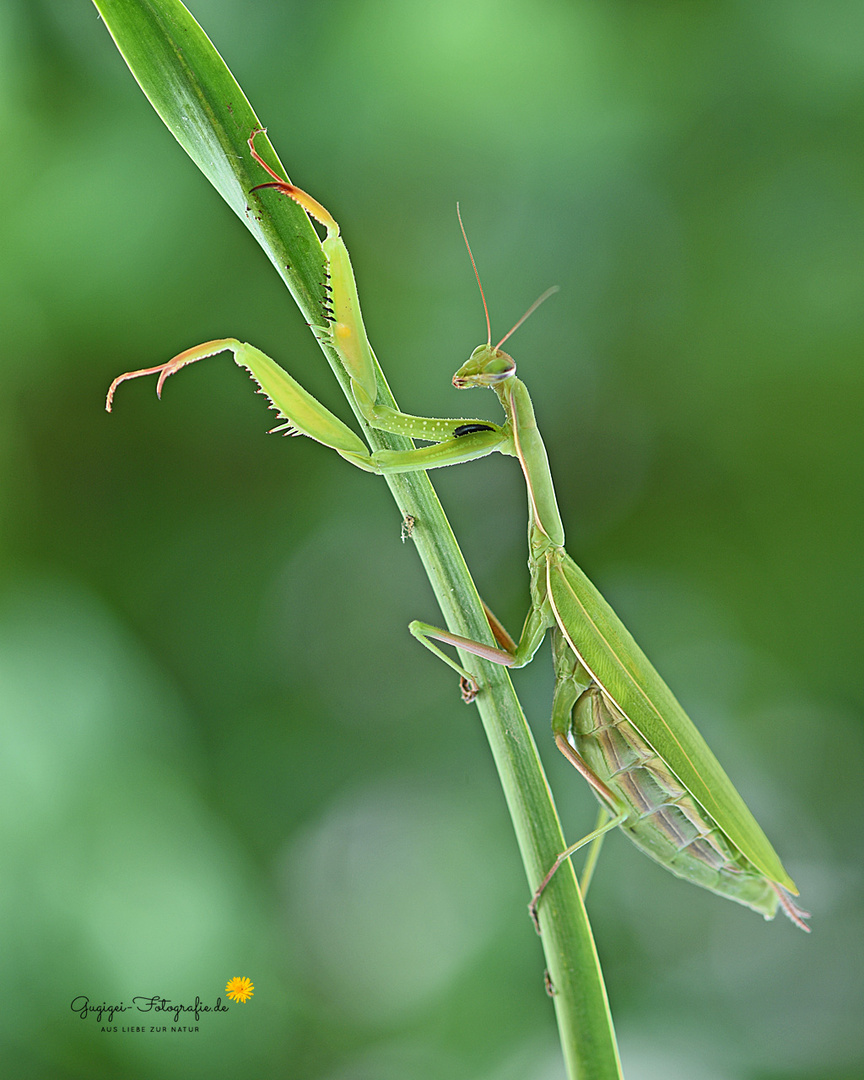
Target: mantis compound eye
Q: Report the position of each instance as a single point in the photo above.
(485, 367)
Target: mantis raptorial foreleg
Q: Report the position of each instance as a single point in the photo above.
(454, 440)
(306, 416)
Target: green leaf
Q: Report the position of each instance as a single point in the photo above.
(191, 88)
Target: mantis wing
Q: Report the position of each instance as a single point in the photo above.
(602, 643)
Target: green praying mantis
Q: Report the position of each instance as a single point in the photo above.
(613, 717)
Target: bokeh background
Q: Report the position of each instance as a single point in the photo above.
(221, 752)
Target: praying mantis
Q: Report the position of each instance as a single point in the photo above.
(613, 717)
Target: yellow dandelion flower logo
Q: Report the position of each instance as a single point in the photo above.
(239, 989)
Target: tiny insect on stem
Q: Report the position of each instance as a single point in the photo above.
(408, 523)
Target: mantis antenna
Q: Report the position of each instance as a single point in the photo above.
(545, 296)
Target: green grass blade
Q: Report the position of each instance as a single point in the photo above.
(190, 87)
(192, 90)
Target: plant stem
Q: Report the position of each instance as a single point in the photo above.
(576, 979)
(201, 103)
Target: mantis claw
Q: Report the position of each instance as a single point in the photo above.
(188, 356)
(469, 689)
(109, 400)
(790, 908)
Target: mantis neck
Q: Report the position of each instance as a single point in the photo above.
(544, 518)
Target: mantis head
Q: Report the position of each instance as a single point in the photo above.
(486, 366)
(489, 365)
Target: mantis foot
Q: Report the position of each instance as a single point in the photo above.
(469, 689)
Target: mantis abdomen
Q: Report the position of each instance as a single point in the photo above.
(660, 816)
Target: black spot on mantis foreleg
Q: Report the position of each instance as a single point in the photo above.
(470, 429)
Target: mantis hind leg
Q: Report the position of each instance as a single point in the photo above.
(593, 853)
(595, 838)
(610, 814)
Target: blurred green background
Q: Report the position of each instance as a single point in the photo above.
(221, 752)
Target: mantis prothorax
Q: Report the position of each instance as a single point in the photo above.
(613, 717)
